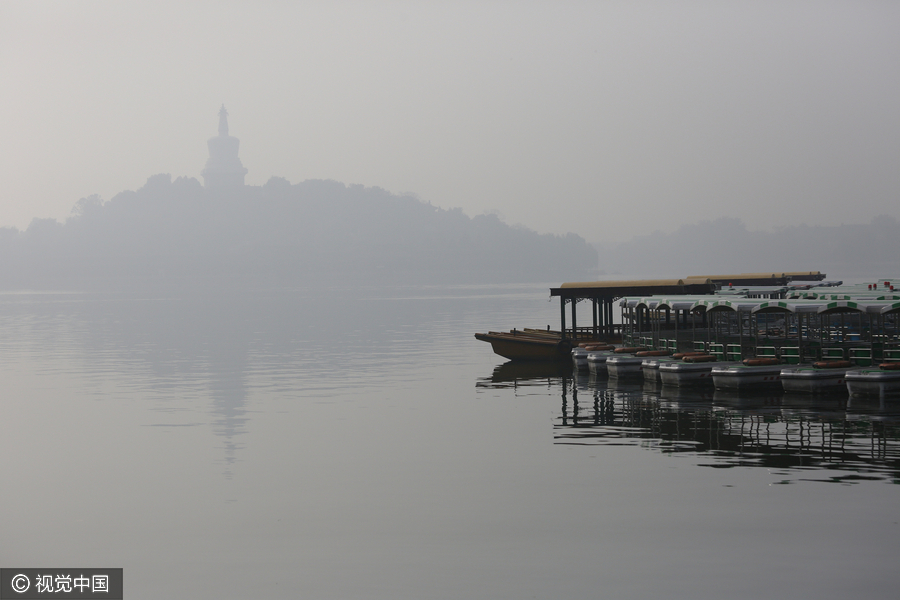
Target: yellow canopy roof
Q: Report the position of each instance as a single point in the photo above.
(633, 283)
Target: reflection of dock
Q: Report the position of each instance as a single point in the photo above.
(758, 429)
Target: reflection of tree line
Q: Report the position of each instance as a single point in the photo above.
(211, 352)
(748, 431)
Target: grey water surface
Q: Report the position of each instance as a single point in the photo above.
(348, 442)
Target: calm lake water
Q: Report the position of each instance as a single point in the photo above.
(360, 443)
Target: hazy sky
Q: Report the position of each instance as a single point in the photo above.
(607, 119)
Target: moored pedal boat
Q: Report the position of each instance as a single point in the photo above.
(624, 365)
(596, 362)
(883, 380)
(750, 373)
(692, 369)
(650, 366)
(579, 357)
(580, 354)
(818, 378)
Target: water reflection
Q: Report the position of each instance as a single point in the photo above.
(212, 360)
(797, 436)
(510, 374)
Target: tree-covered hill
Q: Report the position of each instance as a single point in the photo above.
(176, 231)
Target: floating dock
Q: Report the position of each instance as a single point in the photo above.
(795, 319)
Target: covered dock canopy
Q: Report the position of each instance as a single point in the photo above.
(602, 294)
(756, 291)
(881, 289)
(777, 279)
(805, 275)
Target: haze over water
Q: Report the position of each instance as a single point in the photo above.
(360, 443)
(270, 417)
(557, 116)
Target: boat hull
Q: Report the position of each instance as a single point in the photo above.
(624, 365)
(873, 382)
(809, 380)
(650, 367)
(527, 348)
(579, 358)
(597, 362)
(741, 377)
(682, 374)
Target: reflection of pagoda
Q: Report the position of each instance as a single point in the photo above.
(223, 169)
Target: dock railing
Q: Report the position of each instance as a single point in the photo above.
(791, 354)
(613, 331)
(861, 356)
(766, 352)
(833, 354)
(892, 355)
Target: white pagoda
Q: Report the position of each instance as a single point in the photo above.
(224, 170)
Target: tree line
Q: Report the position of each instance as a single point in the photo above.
(172, 231)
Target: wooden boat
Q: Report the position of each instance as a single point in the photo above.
(529, 346)
(818, 378)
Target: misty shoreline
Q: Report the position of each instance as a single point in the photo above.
(176, 233)
(172, 234)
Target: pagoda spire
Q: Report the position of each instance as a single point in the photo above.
(223, 121)
(224, 170)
